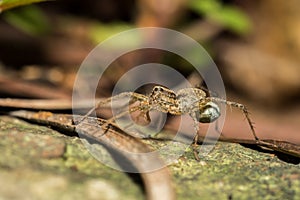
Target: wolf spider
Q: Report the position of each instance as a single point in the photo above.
(192, 101)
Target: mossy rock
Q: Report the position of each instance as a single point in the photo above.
(39, 163)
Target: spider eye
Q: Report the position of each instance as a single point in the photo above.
(209, 113)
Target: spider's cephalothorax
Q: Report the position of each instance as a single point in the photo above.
(164, 100)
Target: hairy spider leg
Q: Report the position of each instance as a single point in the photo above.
(196, 137)
(239, 106)
(105, 103)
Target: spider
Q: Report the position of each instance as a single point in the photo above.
(192, 101)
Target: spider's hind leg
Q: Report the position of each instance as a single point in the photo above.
(241, 107)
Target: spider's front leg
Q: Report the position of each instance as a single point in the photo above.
(106, 103)
(134, 97)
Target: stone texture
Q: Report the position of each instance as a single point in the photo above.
(39, 163)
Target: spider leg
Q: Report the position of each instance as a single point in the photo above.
(143, 106)
(239, 106)
(196, 137)
(105, 103)
(131, 110)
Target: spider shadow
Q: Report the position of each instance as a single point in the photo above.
(280, 155)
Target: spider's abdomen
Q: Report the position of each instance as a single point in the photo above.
(208, 113)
